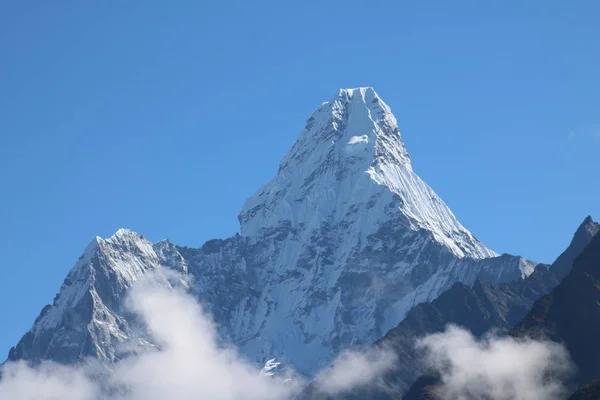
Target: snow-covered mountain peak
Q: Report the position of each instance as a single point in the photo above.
(351, 160)
(124, 257)
(343, 139)
(124, 235)
(332, 252)
(356, 123)
(86, 308)
(359, 90)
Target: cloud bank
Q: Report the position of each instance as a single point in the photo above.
(190, 364)
(496, 368)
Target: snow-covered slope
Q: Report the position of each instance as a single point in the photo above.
(332, 252)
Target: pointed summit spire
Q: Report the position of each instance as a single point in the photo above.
(581, 239)
(586, 231)
(589, 225)
(350, 157)
(355, 123)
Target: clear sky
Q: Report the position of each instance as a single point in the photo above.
(164, 116)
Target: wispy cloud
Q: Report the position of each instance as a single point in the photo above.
(353, 369)
(48, 381)
(496, 368)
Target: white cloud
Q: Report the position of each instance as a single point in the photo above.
(353, 369)
(496, 368)
(190, 364)
(48, 381)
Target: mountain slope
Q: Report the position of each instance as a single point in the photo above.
(479, 308)
(331, 253)
(570, 314)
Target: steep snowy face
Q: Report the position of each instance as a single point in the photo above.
(350, 159)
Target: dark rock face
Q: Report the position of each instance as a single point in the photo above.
(588, 229)
(570, 314)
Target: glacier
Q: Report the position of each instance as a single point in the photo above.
(331, 253)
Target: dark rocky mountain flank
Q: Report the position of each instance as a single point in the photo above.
(479, 308)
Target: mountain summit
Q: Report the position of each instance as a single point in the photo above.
(351, 159)
(331, 253)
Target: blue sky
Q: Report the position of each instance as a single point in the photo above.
(164, 116)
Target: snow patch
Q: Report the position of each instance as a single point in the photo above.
(358, 139)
